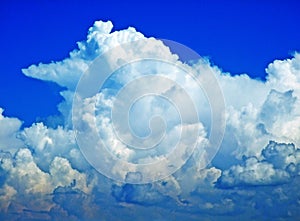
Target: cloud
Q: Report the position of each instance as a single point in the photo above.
(9, 128)
(66, 73)
(284, 74)
(44, 175)
(24, 181)
(278, 163)
(47, 143)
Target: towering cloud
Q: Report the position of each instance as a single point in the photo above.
(44, 175)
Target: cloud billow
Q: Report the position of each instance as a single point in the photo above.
(44, 174)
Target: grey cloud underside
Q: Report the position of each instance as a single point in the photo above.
(254, 176)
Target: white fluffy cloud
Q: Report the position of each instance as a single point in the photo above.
(259, 150)
(278, 163)
(285, 74)
(9, 128)
(47, 143)
(24, 180)
(66, 73)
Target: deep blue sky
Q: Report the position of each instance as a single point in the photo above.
(238, 36)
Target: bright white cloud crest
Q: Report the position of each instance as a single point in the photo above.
(140, 69)
(260, 148)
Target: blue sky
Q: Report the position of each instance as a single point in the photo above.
(49, 172)
(238, 36)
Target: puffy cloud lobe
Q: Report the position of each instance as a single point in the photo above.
(26, 181)
(283, 156)
(278, 164)
(27, 177)
(285, 74)
(44, 164)
(9, 128)
(277, 105)
(47, 143)
(66, 73)
(251, 127)
(279, 116)
(100, 39)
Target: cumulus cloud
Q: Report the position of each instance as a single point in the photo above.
(27, 187)
(284, 74)
(25, 176)
(256, 169)
(9, 128)
(66, 73)
(278, 163)
(47, 143)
